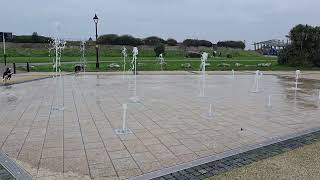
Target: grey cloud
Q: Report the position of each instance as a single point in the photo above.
(214, 20)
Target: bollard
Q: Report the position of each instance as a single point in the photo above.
(14, 68)
(28, 68)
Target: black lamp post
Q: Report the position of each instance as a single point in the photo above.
(4, 48)
(96, 19)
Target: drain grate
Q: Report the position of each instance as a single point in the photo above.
(4, 174)
(12, 170)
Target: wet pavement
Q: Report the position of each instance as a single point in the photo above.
(170, 124)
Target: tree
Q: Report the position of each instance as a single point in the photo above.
(35, 37)
(189, 42)
(114, 39)
(107, 39)
(232, 44)
(159, 49)
(172, 42)
(128, 40)
(153, 40)
(304, 47)
(196, 43)
(205, 43)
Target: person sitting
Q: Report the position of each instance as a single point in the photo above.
(7, 75)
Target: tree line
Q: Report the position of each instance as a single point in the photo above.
(114, 39)
(304, 47)
(33, 38)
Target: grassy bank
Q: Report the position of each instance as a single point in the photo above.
(175, 56)
(174, 65)
(301, 163)
(45, 59)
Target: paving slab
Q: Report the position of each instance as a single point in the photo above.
(64, 127)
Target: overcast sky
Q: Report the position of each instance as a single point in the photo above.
(214, 20)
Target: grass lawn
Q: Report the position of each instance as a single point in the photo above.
(117, 59)
(175, 56)
(302, 163)
(172, 65)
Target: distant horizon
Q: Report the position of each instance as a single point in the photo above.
(249, 45)
(213, 20)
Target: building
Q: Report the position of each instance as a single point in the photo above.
(270, 47)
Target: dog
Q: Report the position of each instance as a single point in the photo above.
(7, 75)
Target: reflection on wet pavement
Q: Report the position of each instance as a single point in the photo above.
(168, 125)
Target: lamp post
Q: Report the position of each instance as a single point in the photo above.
(4, 49)
(96, 19)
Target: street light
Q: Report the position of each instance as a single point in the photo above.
(4, 48)
(96, 19)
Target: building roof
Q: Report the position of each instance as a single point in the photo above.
(274, 42)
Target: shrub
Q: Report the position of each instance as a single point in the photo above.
(172, 42)
(292, 56)
(232, 44)
(153, 40)
(108, 39)
(34, 38)
(283, 56)
(205, 43)
(113, 39)
(196, 43)
(304, 47)
(160, 48)
(128, 40)
(316, 59)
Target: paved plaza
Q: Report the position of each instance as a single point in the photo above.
(64, 128)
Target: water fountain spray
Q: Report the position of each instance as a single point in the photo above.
(124, 130)
(83, 59)
(124, 54)
(297, 77)
(124, 115)
(257, 78)
(56, 47)
(209, 114)
(269, 101)
(204, 59)
(133, 69)
(162, 61)
(210, 111)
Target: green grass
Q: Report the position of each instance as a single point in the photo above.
(118, 59)
(301, 163)
(175, 56)
(173, 65)
(40, 54)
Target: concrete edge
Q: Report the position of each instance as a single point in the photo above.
(31, 80)
(13, 168)
(220, 156)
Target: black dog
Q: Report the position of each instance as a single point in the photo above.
(7, 75)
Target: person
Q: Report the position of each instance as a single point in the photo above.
(7, 75)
